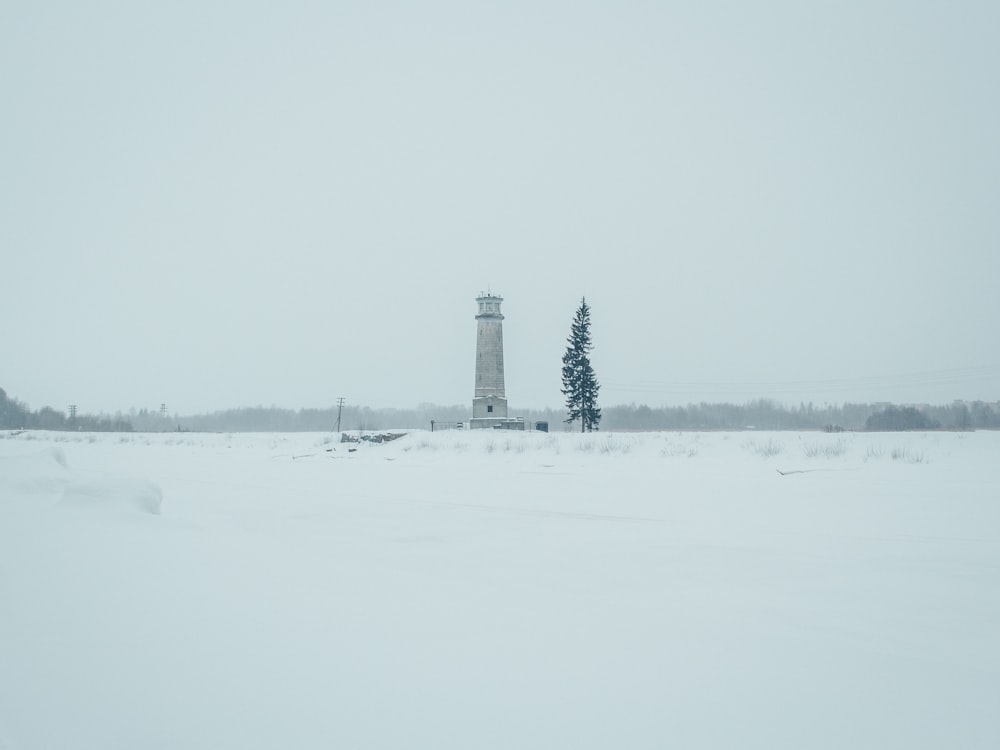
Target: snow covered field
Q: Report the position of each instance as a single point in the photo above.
(484, 590)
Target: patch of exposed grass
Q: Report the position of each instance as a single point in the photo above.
(901, 453)
(764, 448)
(615, 444)
(908, 455)
(825, 449)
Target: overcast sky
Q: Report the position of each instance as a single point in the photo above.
(215, 205)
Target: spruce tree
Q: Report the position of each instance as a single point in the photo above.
(580, 385)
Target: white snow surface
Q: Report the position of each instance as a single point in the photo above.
(500, 590)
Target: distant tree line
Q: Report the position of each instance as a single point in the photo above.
(900, 418)
(760, 414)
(17, 416)
(765, 414)
(354, 418)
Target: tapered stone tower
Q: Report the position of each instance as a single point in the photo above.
(490, 402)
(489, 405)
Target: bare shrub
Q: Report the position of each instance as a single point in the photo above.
(514, 446)
(764, 448)
(679, 448)
(874, 452)
(908, 455)
(824, 449)
(899, 453)
(613, 444)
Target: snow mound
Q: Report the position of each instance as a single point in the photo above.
(37, 473)
(115, 492)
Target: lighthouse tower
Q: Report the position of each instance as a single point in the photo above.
(489, 405)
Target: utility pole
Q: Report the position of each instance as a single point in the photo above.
(72, 411)
(340, 408)
(163, 410)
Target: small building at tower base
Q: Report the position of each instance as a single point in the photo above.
(505, 423)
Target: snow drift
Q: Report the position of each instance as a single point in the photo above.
(114, 492)
(33, 474)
